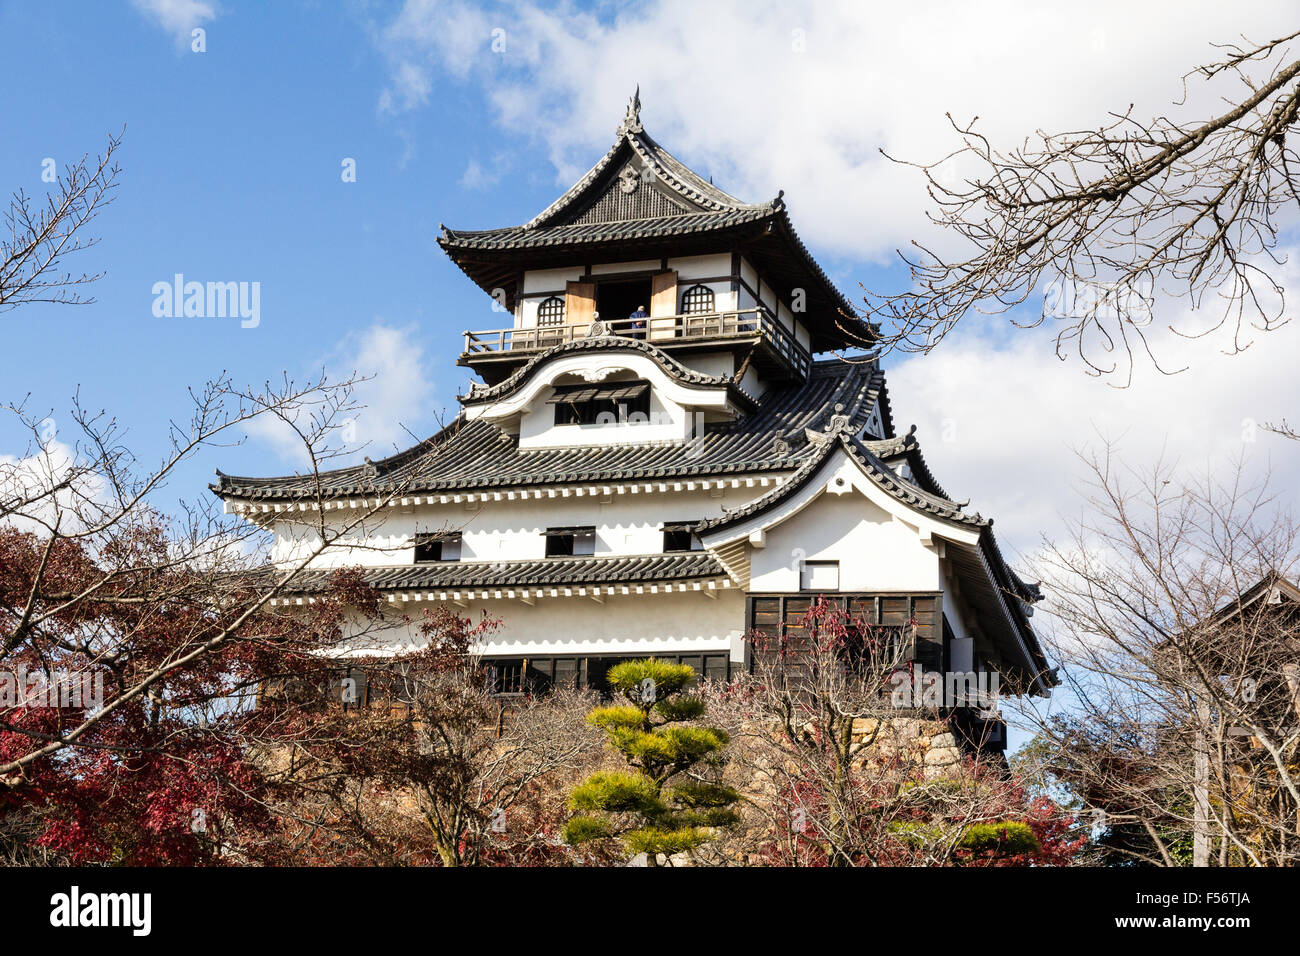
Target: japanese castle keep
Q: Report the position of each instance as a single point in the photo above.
(655, 461)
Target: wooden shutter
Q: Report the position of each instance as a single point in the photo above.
(663, 305)
(579, 303)
(765, 622)
(799, 661)
(929, 638)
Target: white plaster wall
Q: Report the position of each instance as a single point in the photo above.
(771, 301)
(551, 280)
(690, 268)
(676, 623)
(801, 335)
(512, 530)
(752, 384)
(953, 607)
(637, 265)
(701, 267)
(788, 320)
(710, 363)
(667, 422)
(875, 552)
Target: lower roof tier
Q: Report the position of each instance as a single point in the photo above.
(470, 455)
(591, 570)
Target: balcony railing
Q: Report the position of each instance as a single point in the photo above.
(662, 330)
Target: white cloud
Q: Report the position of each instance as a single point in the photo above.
(769, 95)
(1001, 425)
(33, 500)
(400, 394)
(479, 176)
(396, 398)
(410, 87)
(426, 37)
(177, 17)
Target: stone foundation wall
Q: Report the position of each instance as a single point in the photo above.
(928, 742)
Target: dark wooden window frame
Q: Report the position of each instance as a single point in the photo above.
(515, 676)
(585, 404)
(550, 312)
(561, 542)
(699, 299)
(679, 538)
(884, 610)
(430, 547)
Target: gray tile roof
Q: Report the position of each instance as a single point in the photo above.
(521, 237)
(906, 448)
(544, 572)
(479, 455)
(880, 472)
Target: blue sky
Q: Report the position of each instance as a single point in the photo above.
(231, 171)
(479, 115)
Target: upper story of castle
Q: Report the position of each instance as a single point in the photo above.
(645, 248)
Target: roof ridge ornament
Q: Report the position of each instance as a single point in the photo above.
(629, 179)
(839, 424)
(632, 119)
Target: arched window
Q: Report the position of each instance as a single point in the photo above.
(551, 312)
(696, 300)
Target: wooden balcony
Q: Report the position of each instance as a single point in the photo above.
(492, 353)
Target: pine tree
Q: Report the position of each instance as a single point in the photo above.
(665, 804)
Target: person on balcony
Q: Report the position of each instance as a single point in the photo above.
(638, 322)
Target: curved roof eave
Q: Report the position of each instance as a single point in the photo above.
(606, 343)
(876, 470)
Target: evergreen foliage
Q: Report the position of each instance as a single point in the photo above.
(668, 802)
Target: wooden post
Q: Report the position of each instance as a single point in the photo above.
(1201, 787)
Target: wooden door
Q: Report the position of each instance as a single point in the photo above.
(663, 305)
(579, 306)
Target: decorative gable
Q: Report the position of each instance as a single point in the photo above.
(632, 194)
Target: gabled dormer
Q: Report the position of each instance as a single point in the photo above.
(605, 391)
(725, 285)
